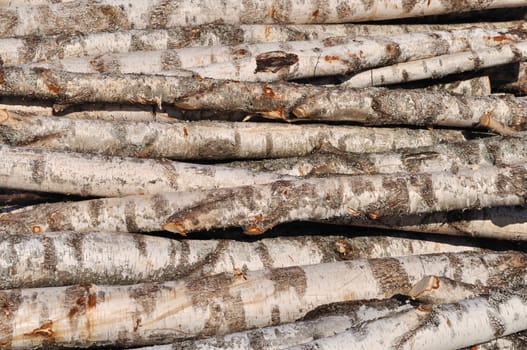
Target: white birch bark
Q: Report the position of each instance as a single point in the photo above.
(472, 154)
(516, 341)
(91, 175)
(53, 259)
(322, 324)
(205, 139)
(112, 15)
(447, 326)
(250, 62)
(371, 106)
(439, 66)
(145, 314)
(339, 56)
(261, 207)
(14, 51)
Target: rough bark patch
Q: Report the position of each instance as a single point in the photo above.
(145, 296)
(50, 254)
(10, 301)
(391, 277)
(287, 277)
(275, 61)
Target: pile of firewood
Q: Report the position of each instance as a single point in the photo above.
(145, 146)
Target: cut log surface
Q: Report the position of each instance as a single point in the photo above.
(146, 314)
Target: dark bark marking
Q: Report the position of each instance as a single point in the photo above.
(158, 18)
(391, 277)
(263, 254)
(8, 22)
(268, 144)
(275, 315)
(413, 159)
(343, 10)
(94, 211)
(10, 301)
(75, 240)
(408, 5)
(509, 270)
(204, 293)
(50, 255)
(38, 172)
(424, 185)
(170, 60)
(512, 182)
(287, 277)
(361, 186)
(396, 199)
(275, 61)
(78, 299)
(456, 265)
(130, 215)
(146, 295)
(349, 308)
(140, 244)
(160, 205)
(496, 323)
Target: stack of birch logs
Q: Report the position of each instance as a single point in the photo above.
(257, 174)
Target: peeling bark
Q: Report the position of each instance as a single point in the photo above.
(442, 290)
(447, 326)
(439, 66)
(205, 140)
(91, 175)
(471, 154)
(145, 314)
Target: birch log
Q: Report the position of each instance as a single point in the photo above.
(145, 314)
(371, 106)
(259, 208)
(496, 151)
(441, 290)
(90, 175)
(53, 259)
(448, 326)
(324, 324)
(113, 15)
(516, 341)
(506, 223)
(205, 139)
(301, 59)
(14, 51)
(339, 56)
(440, 66)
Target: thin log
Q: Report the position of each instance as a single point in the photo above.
(91, 175)
(14, 51)
(496, 151)
(340, 56)
(447, 326)
(146, 314)
(439, 66)
(322, 322)
(506, 223)
(113, 15)
(370, 106)
(206, 139)
(259, 208)
(295, 59)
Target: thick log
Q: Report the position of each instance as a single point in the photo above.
(146, 314)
